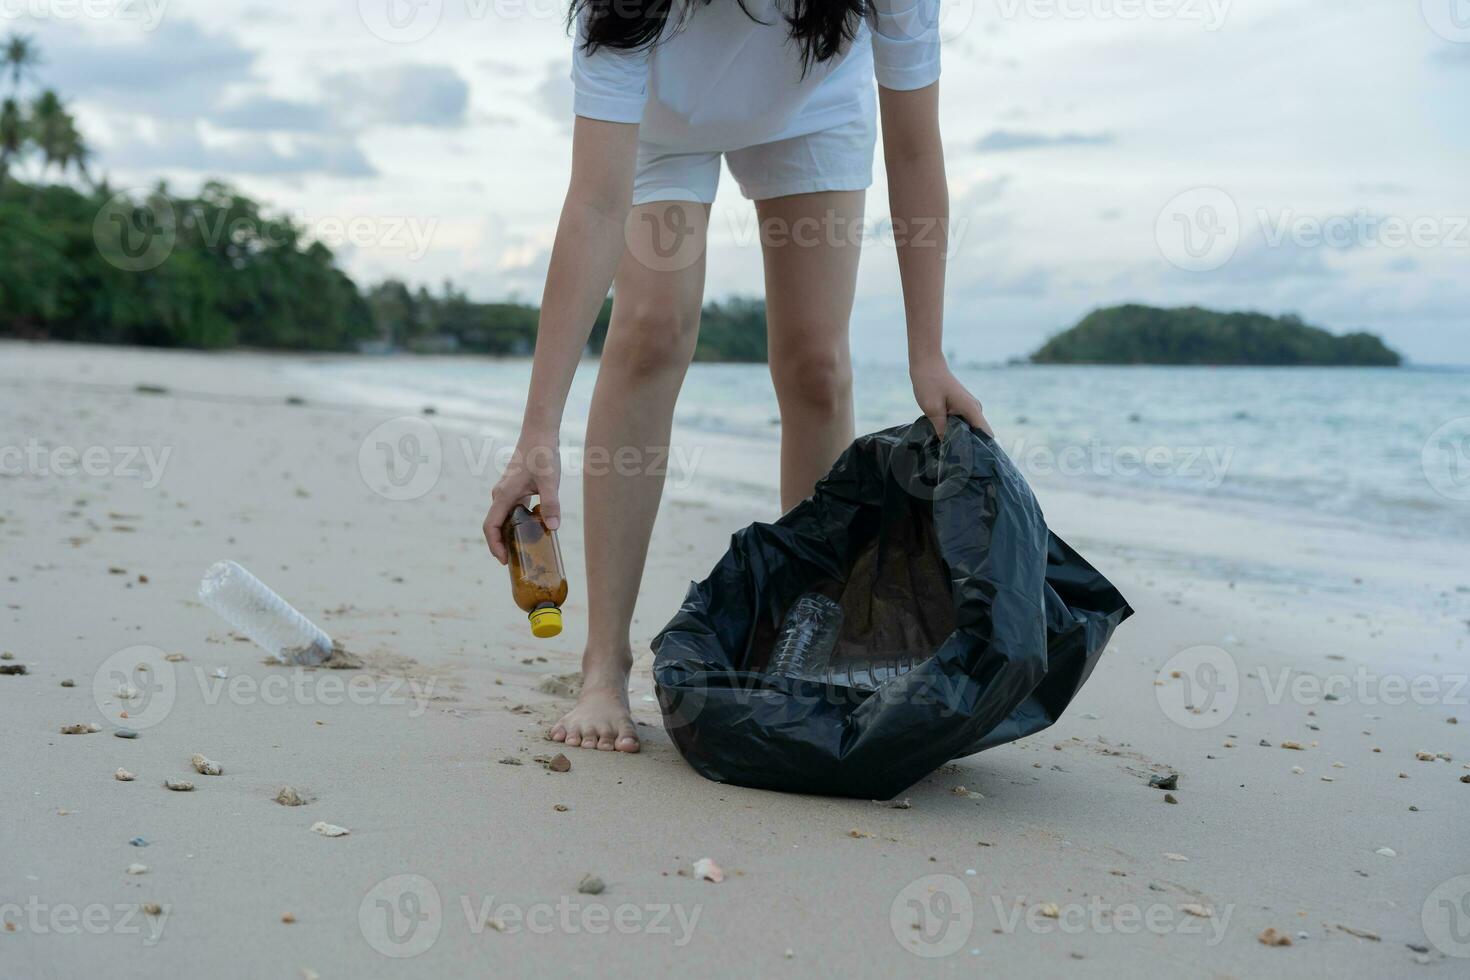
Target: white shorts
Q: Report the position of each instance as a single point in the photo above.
(837, 159)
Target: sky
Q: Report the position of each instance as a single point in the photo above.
(1303, 156)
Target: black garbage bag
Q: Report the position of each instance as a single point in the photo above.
(936, 551)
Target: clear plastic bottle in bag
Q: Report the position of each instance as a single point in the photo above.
(808, 636)
(868, 675)
(247, 604)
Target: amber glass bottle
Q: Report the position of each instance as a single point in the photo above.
(538, 580)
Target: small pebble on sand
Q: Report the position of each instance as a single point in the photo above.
(560, 808)
(591, 885)
(707, 869)
(205, 767)
(1387, 852)
(137, 869)
(289, 796)
(81, 728)
(560, 763)
(288, 918)
(124, 733)
(123, 776)
(1270, 937)
(68, 683)
(1175, 857)
(152, 908)
(179, 785)
(329, 829)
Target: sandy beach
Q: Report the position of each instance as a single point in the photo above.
(1323, 768)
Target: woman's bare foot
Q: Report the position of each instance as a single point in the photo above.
(601, 719)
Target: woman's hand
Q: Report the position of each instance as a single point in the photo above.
(941, 395)
(534, 470)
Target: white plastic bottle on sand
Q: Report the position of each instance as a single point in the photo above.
(247, 604)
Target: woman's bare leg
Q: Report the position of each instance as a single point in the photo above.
(657, 296)
(811, 246)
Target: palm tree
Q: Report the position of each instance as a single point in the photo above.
(49, 130)
(19, 58)
(75, 152)
(13, 135)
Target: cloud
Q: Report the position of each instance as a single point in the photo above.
(1455, 56)
(401, 95)
(178, 71)
(1007, 140)
(263, 112)
(178, 146)
(554, 95)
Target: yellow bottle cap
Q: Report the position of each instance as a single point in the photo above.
(546, 622)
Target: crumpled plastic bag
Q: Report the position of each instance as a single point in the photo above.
(935, 549)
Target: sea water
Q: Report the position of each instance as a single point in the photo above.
(1388, 449)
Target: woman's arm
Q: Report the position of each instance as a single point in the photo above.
(918, 200)
(589, 243)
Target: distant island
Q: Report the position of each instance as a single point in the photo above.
(1135, 334)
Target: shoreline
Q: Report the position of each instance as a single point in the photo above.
(412, 767)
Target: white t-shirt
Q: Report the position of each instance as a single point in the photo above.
(721, 81)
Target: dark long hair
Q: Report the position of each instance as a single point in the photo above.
(822, 29)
